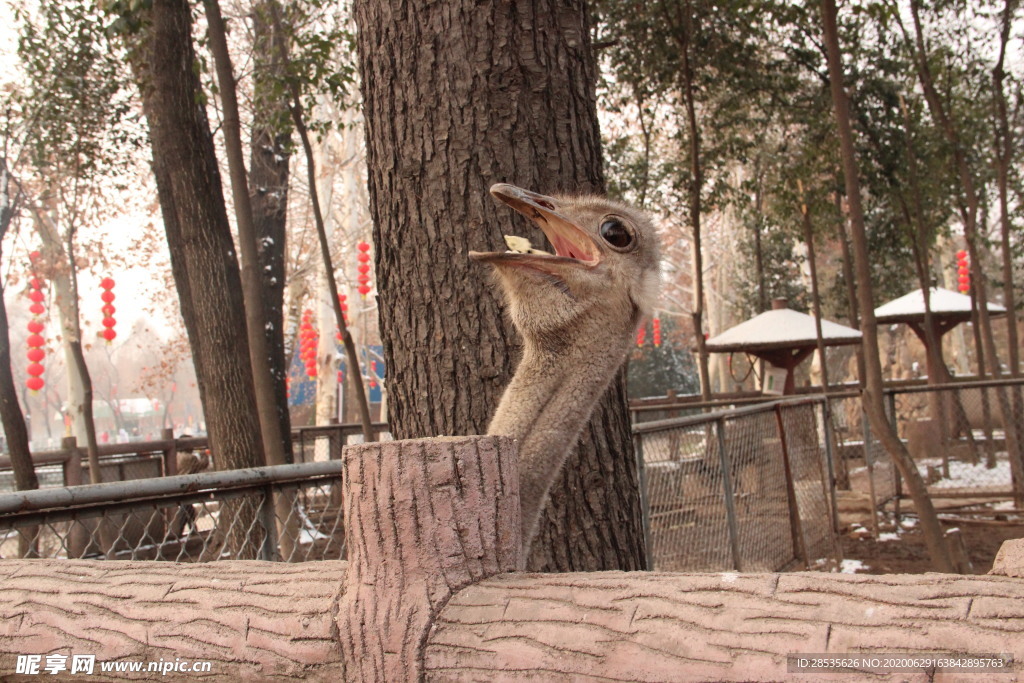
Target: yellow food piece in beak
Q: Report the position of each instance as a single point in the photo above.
(521, 245)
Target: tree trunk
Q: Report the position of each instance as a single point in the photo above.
(298, 120)
(58, 254)
(11, 417)
(1014, 421)
(815, 295)
(471, 535)
(203, 256)
(684, 34)
(458, 96)
(970, 204)
(252, 283)
(872, 393)
(268, 195)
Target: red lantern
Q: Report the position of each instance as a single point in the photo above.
(656, 325)
(107, 285)
(34, 256)
(640, 335)
(364, 269)
(373, 374)
(36, 354)
(963, 272)
(308, 341)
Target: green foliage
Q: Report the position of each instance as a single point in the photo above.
(656, 370)
(75, 102)
(766, 125)
(321, 58)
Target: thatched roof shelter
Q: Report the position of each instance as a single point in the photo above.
(949, 309)
(782, 337)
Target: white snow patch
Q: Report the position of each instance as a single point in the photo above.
(966, 475)
(730, 577)
(851, 566)
(889, 536)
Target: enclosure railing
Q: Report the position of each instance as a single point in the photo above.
(183, 518)
(68, 466)
(746, 489)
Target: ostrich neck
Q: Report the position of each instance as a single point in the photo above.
(546, 405)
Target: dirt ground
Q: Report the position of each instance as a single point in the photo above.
(903, 551)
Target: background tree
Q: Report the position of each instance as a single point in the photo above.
(203, 256)
(872, 398)
(75, 111)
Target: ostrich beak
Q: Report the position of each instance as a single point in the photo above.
(573, 246)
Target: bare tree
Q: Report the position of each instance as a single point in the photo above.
(872, 397)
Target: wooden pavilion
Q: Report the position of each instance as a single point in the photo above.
(783, 338)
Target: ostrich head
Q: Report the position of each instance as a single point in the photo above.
(603, 274)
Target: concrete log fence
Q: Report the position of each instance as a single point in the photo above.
(430, 592)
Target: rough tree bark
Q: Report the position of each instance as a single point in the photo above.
(203, 258)
(872, 397)
(458, 96)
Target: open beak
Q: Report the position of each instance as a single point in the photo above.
(573, 246)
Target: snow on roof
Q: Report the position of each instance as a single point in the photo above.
(779, 329)
(943, 302)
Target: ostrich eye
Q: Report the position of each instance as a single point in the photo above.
(616, 234)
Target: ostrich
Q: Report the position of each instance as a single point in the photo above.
(577, 311)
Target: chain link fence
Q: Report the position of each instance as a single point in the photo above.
(747, 489)
(966, 439)
(143, 512)
(285, 512)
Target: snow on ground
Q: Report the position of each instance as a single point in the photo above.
(888, 536)
(966, 475)
(852, 567)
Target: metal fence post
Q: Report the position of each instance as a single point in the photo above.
(795, 527)
(830, 453)
(645, 502)
(730, 503)
(170, 453)
(268, 552)
(869, 463)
